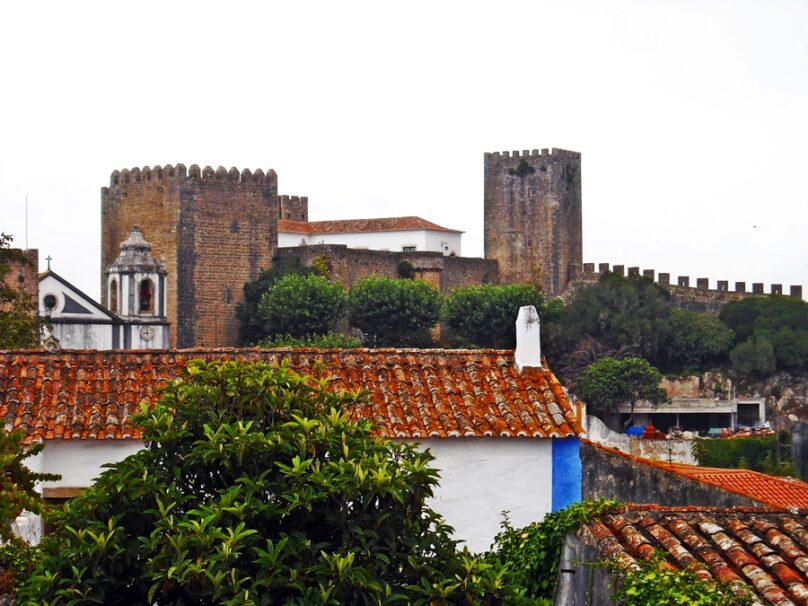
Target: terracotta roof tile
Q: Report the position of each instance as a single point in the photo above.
(777, 492)
(354, 226)
(411, 393)
(753, 550)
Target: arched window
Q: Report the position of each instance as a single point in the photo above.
(113, 296)
(146, 296)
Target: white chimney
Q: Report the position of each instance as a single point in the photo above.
(528, 344)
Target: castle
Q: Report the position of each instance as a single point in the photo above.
(215, 230)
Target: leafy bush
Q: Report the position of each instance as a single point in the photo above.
(636, 316)
(397, 313)
(484, 315)
(331, 340)
(693, 341)
(770, 333)
(654, 583)
(607, 383)
(758, 453)
(251, 324)
(531, 554)
(255, 488)
(18, 560)
(302, 305)
(754, 357)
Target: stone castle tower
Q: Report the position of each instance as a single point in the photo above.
(533, 216)
(213, 230)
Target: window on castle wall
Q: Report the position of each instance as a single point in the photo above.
(146, 296)
(113, 296)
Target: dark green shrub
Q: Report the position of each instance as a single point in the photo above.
(332, 340)
(302, 305)
(394, 313)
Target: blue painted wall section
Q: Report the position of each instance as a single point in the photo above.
(567, 472)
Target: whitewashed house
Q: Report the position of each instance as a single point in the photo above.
(397, 234)
(503, 432)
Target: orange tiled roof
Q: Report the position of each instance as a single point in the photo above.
(412, 393)
(760, 551)
(769, 490)
(353, 226)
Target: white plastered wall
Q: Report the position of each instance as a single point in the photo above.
(482, 477)
(395, 241)
(79, 463)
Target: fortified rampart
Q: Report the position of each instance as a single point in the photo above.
(293, 208)
(348, 265)
(532, 216)
(24, 275)
(699, 297)
(215, 230)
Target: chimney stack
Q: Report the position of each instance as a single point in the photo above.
(528, 344)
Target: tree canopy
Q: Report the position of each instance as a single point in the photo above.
(251, 323)
(607, 383)
(394, 313)
(484, 315)
(771, 333)
(299, 306)
(255, 488)
(637, 316)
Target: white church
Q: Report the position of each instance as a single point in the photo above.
(136, 290)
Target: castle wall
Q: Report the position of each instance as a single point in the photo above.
(25, 275)
(348, 265)
(294, 208)
(216, 230)
(533, 216)
(698, 297)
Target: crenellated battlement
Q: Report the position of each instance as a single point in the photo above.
(295, 208)
(548, 154)
(682, 286)
(179, 172)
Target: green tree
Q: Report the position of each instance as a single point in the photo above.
(20, 324)
(693, 341)
(484, 315)
(618, 312)
(299, 305)
(251, 324)
(654, 582)
(17, 481)
(754, 357)
(607, 383)
(397, 313)
(255, 488)
(760, 323)
(17, 493)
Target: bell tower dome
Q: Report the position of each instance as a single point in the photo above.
(136, 291)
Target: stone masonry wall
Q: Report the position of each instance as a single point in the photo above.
(612, 476)
(533, 216)
(215, 229)
(25, 275)
(348, 265)
(698, 296)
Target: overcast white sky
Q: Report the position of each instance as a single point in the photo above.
(692, 117)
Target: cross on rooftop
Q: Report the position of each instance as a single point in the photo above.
(48, 259)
